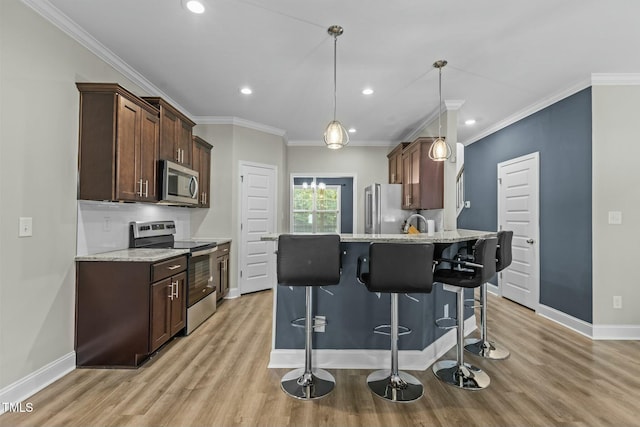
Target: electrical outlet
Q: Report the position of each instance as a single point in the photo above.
(467, 204)
(322, 321)
(446, 310)
(106, 225)
(617, 301)
(26, 227)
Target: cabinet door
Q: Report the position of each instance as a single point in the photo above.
(149, 156)
(195, 165)
(168, 136)
(398, 168)
(205, 176)
(184, 143)
(178, 303)
(406, 181)
(160, 313)
(224, 277)
(128, 150)
(415, 178)
(393, 170)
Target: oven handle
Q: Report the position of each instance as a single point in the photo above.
(204, 252)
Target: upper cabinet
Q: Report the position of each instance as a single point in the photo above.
(202, 163)
(176, 132)
(422, 178)
(395, 163)
(118, 148)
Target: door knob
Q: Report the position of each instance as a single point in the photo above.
(530, 241)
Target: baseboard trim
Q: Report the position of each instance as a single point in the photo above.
(573, 323)
(616, 332)
(412, 360)
(233, 293)
(26, 387)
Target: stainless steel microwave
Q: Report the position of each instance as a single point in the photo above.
(179, 184)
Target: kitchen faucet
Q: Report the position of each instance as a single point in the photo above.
(407, 223)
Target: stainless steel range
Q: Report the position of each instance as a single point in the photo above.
(201, 301)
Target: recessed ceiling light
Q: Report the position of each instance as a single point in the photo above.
(246, 91)
(194, 6)
(352, 130)
(367, 91)
(470, 122)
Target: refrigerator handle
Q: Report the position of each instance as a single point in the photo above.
(368, 207)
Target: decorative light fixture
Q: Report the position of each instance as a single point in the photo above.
(440, 150)
(335, 136)
(246, 91)
(194, 6)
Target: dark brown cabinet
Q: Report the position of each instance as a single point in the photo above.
(201, 157)
(423, 179)
(222, 270)
(118, 147)
(176, 132)
(126, 310)
(395, 163)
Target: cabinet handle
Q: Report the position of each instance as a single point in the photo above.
(177, 295)
(173, 267)
(205, 198)
(140, 183)
(146, 188)
(171, 291)
(181, 156)
(177, 155)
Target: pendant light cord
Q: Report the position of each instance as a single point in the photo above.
(440, 104)
(335, 78)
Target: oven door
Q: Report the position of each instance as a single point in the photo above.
(201, 275)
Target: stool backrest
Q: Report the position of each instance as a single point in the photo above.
(308, 260)
(400, 267)
(484, 253)
(503, 252)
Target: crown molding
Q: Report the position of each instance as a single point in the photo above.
(602, 79)
(544, 103)
(361, 143)
(453, 104)
(52, 14)
(237, 121)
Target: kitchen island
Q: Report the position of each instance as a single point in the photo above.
(351, 312)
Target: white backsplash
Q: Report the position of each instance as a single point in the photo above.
(104, 226)
(437, 215)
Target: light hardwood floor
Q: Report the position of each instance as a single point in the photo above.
(218, 376)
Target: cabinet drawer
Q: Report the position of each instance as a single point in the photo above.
(164, 269)
(223, 249)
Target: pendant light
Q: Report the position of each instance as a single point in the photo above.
(440, 150)
(335, 136)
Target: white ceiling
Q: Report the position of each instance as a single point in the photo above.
(505, 56)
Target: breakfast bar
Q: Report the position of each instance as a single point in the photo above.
(351, 312)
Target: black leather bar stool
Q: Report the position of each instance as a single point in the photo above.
(397, 268)
(308, 260)
(461, 275)
(482, 346)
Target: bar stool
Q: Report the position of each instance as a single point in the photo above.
(461, 275)
(482, 346)
(310, 261)
(397, 268)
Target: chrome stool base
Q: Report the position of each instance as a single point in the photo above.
(401, 388)
(307, 386)
(486, 349)
(464, 376)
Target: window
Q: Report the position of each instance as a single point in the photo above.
(315, 207)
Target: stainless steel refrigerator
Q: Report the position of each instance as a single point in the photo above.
(382, 209)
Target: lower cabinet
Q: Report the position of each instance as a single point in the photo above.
(126, 310)
(222, 270)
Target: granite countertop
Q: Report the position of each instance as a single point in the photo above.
(134, 255)
(452, 236)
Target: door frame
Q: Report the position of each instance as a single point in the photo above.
(354, 220)
(241, 204)
(535, 156)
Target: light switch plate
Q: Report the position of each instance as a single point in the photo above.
(26, 227)
(615, 217)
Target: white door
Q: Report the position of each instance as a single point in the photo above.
(518, 204)
(258, 217)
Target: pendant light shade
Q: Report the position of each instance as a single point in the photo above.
(440, 150)
(335, 136)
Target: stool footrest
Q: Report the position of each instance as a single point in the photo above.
(402, 330)
(299, 323)
(471, 303)
(442, 323)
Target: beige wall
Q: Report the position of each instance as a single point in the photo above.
(38, 162)
(369, 164)
(616, 179)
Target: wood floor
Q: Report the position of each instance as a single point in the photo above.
(218, 376)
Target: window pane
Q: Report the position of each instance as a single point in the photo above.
(302, 198)
(302, 222)
(327, 222)
(327, 200)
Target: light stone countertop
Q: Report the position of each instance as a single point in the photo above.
(453, 236)
(134, 255)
